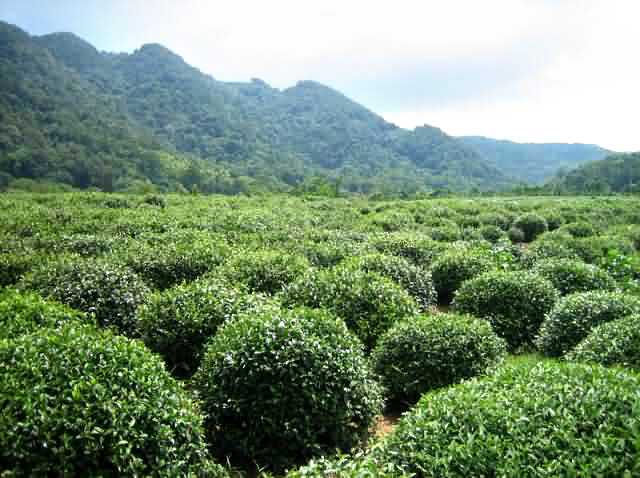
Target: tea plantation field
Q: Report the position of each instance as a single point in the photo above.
(241, 336)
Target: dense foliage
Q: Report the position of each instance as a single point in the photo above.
(451, 269)
(102, 406)
(368, 302)
(283, 387)
(414, 279)
(569, 276)
(534, 162)
(574, 316)
(110, 292)
(612, 343)
(515, 303)
(178, 322)
(24, 313)
(428, 352)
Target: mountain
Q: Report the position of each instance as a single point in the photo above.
(72, 114)
(616, 173)
(533, 162)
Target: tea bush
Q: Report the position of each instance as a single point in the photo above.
(579, 229)
(515, 235)
(281, 388)
(164, 265)
(368, 302)
(552, 420)
(419, 249)
(414, 279)
(514, 303)
(569, 276)
(451, 269)
(532, 225)
(24, 313)
(102, 406)
(264, 270)
(574, 316)
(178, 322)
(429, 352)
(492, 234)
(612, 343)
(109, 291)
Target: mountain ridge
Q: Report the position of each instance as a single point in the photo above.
(149, 117)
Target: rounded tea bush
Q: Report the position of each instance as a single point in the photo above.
(575, 315)
(451, 269)
(570, 276)
(515, 235)
(278, 389)
(514, 303)
(109, 291)
(612, 343)
(414, 279)
(368, 302)
(178, 322)
(556, 419)
(26, 312)
(102, 406)
(166, 264)
(531, 224)
(264, 271)
(429, 352)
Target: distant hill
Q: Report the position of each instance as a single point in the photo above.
(72, 114)
(533, 162)
(616, 173)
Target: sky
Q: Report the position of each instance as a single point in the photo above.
(525, 70)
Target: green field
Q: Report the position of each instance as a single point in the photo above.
(157, 335)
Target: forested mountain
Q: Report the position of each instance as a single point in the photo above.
(74, 115)
(533, 162)
(616, 173)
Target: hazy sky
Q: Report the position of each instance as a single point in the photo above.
(525, 70)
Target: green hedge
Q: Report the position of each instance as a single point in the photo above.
(515, 303)
(570, 276)
(368, 302)
(612, 343)
(429, 352)
(109, 291)
(281, 388)
(574, 316)
(178, 322)
(81, 402)
(24, 313)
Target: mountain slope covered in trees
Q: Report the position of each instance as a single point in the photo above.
(614, 174)
(71, 114)
(534, 162)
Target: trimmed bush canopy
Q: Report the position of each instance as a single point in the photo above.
(414, 279)
(552, 420)
(24, 313)
(368, 302)
(515, 303)
(102, 406)
(281, 388)
(575, 315)
(531, 225)
(612, 343)
(177, 322)
(570, 276)
(109, 291)
(428, 352)
(453, 268)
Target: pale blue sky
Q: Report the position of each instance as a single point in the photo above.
(525, 70)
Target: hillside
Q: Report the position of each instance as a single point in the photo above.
(616, 173)
(74, 115)
(534, 162)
